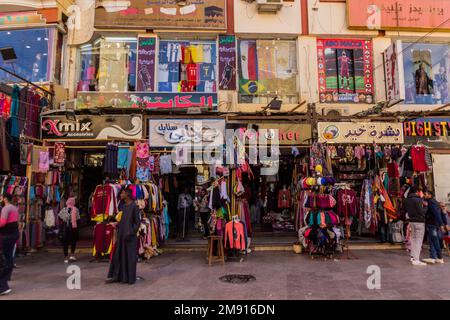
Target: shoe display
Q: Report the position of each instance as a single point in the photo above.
(429, 260)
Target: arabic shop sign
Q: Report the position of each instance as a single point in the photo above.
(405, 14)
(360, 132)
(147, 100)
(91, 127)
(173, 132)
(145, 14)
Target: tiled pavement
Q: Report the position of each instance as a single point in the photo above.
(279, 275)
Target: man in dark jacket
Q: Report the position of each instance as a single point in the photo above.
(434, 224)
(414, 206)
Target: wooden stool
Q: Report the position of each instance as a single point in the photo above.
(220, 253)
(447, 244)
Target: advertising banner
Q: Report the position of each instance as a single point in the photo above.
(227, 62)
(433, 132)
(345, 71)
(145, 14)
(146, 64)
(393, 71)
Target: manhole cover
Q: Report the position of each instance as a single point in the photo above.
(237, 278)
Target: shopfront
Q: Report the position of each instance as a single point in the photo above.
(268, 189)
(432, 134)
(365, 166)
(92, 158)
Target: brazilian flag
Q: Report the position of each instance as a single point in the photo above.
(251, 87)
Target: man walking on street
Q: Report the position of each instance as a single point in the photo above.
(434, 224)
(416, 211)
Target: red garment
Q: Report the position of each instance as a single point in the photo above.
(104, 201)
(103, 237)
(418, 158)
(234, 234)
(192, 72)
(347, 203)
(284, 199)
(393, 170)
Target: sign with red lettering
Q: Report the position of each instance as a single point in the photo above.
(394, 15)
(345, 70)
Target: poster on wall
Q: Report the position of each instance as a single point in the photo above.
(146, 64)
(393, 71)
(204, 14)
(345, 70)
(427, 71)
(394, 15)
(227, 62)
(173, 132)
(360, 132)
(91, 127)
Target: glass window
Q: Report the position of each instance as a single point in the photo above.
(267, 68)
(108, 65)
(187, 66)
(33, 48)
(427, 70)
(345, 70)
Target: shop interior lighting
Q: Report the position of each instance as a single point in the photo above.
(8, 54)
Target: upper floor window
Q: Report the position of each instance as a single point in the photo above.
(187, 66)
(426, 69)
(267, 68)
(108, 65)
(34, 50)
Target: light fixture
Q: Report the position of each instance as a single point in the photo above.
(8, 33)
(70, 115)
(46, 39)
(8, 54)
(275, 104)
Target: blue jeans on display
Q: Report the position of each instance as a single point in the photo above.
(434, 242)
(9, 241)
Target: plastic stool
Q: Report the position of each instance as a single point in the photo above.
(220, 253)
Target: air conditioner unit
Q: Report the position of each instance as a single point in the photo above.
(269, 6)
(68, 105)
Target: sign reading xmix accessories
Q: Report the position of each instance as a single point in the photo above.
(91, 127)
(360, 132)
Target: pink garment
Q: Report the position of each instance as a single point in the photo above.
(44, 162)
(359, 152)
(70, 203)
(9, 214)
(142, 150)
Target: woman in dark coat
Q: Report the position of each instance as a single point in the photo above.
(124, 259)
